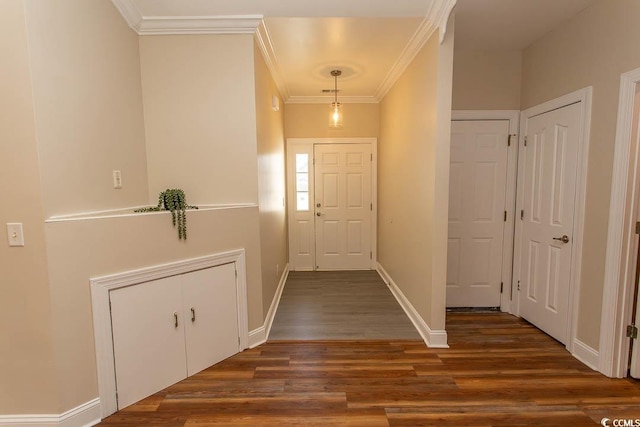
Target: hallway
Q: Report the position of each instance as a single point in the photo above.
(330, 305)
(499, 371)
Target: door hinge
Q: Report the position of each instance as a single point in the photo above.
(505, 216)
(525, 141)
(501, 287)
(372, 157)
(116, 398)
(371, 255)
(632, 332)
(371, 207)
(238, 342)
(637, 227)
(518, 284)
(521, 214)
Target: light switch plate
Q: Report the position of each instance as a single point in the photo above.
(15, 234)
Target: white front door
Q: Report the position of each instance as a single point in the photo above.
(343, 206)
(548, 202)
(477, 212)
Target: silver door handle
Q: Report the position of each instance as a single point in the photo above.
(563, 239)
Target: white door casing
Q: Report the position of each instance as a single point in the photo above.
(624, 211)
(343, 206)
(477, 212)
(635, 351)
(302, 214)
(550, 166)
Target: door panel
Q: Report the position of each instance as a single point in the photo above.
(550, 166)
(148, 346)
(211, 318)
(477, 198)
(343, 206)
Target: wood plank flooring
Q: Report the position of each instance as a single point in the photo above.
(339, 305)
(499, 371)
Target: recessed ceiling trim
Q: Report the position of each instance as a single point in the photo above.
(266, 47)
(329, 99)
(436, 18)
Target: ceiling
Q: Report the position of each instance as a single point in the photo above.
(371, 41)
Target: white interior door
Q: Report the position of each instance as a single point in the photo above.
(548, 202)
(211, 316)
(148, 339)
(343, 206)
(477, 207)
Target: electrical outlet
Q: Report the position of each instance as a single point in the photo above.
(117, 179)
(15, 234)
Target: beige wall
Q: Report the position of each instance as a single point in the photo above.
(414, 179)
(486, 80)
(271, 181)
(27, 373)
(88, 105)
(200, 119)
(79, 250)
(592, 49)
(312, 121)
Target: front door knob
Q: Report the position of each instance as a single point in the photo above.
(563, 239)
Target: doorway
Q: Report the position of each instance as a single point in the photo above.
(552, 168)
(331, 187)
(622, 241)
(482, 188)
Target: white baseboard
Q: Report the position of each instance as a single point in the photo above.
(433, 338)
(87, 414)
(259, 335)
(586, 354)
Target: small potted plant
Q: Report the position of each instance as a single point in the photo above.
(175, 201)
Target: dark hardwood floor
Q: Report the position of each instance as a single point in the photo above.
(499, 371)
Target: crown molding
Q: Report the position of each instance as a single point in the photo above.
(329, 99)
(163, 25)
(129, 12)
(436, 18)
(263, 39)
(241, 24)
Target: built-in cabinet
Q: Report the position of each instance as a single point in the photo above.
(167, 329)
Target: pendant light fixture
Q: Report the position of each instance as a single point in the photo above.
(335, 115)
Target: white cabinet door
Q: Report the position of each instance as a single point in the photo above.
(148, 338)
(549, 189)
(477, 195)
(211, 319)
(343, 206)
